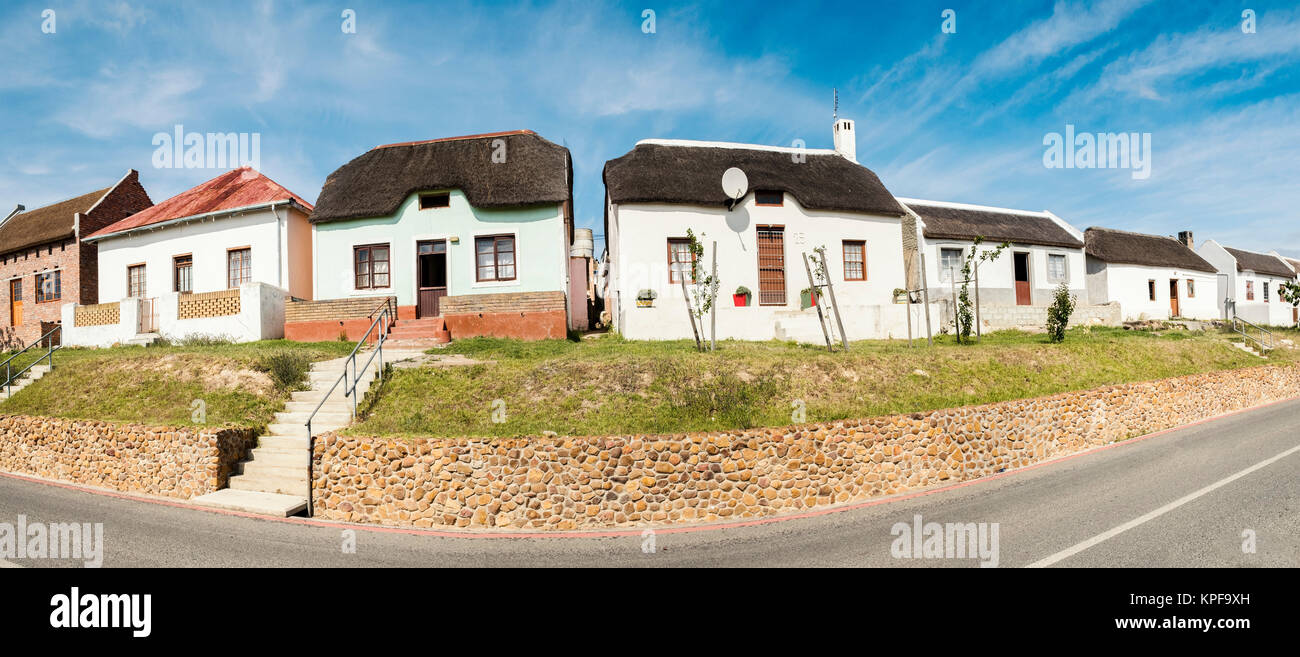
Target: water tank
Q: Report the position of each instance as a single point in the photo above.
(584, 244)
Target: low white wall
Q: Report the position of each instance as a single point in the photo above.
(261, 317)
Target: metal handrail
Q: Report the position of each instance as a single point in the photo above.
(384, 322)
(10, 375)
(1263, 332)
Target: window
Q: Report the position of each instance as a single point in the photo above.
(239, 267)
(769, 197)
(855, 260)
(1056, 269)
(432, 201)
(496, 257)
(183, 274)
(949, 263)
(1265, 291)
(1250, 290)
(370, 266)
(135, 281)
(1191, 289)
(771, 265)
(680, 260)
(1151, 290)
(49, 286)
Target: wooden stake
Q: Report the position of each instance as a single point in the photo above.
(813, 288)
(835, 307)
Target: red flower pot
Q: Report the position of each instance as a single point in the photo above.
(741, 300)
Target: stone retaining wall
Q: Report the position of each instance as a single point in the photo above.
(572, 483)
(172, 462)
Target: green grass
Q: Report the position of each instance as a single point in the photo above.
(239, 384)
(611, 386)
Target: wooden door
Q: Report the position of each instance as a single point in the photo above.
(431, 276)
(16, 302)
(1173, 298)
(1023, 296)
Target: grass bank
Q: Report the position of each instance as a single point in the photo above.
(238, 384)
(612, 386)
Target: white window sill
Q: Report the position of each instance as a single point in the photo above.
(492, 284)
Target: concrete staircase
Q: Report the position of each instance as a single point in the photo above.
(31, 376)
(143, 339)
(273, 480)
(426, 331)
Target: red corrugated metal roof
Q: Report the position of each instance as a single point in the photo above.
(237, 188)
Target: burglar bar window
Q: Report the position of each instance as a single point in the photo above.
(771, 266)
(183, 273)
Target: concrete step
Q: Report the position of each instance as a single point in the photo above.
(280, 457)
(308, 407)
(261, 468)
(341, 418)
(271, 484)
(338, 395)
(300, 430)
(297, 443)
(266, 504)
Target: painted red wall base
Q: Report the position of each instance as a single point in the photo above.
(328, 330)
(544, 325)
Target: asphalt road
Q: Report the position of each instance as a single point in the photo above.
(1183, 499)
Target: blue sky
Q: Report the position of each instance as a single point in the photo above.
(958, 117)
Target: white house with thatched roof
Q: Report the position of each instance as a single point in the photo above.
(1151, 276)
(1250, 283)
(1016, 288)
(796, 200)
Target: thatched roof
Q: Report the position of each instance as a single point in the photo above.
(1123, 247)
(691, 173)
(46, 224)
(949, 221)
(535, 172)
(1260, 263)
(1295, 264)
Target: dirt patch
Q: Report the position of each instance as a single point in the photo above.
(213, 374)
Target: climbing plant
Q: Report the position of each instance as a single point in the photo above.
(964, 321)
(704, 289)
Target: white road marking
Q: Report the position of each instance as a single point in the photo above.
(1104, 536)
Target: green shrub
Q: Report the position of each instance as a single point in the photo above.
(287, 369)
(1058, 315)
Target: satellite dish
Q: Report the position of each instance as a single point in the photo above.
(735, 184)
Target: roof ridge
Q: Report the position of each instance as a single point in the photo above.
(522, 131)
(101, 192)
(1133, 232)
(957, 205)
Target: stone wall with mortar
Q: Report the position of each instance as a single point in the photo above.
(172, 462)
(615, 481)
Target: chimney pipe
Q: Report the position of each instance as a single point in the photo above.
(18, 208)
(1185, 236)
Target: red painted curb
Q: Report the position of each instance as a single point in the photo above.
(638, 531)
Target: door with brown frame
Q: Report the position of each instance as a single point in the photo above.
(1023, 296)
(1173, 297)
(431, 276)
(16, 302)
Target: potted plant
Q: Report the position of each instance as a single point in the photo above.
(807, 297)
(646, 298)
(741, 297)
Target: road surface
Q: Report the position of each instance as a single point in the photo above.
(1186, 498)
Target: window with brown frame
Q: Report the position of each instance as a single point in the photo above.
(1250, 290)
(434, 201)
(855, 260)
(183, 274)
(1191, 289)
(680, 260)
(49, 286)
(135, 287)
(239, 267)
(1265, 291)
(1151, 290)
(370, 266)
(495, 258)
(771, 265)
(769, 197)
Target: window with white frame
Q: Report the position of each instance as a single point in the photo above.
(1057, 271)
(949, 263)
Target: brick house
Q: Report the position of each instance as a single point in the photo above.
(44, 263)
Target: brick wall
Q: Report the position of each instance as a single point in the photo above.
(207, 304)
(126, 199)
(331, 309)
(97, 315)
(498, 303)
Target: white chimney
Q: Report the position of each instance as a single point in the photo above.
(846, 143)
